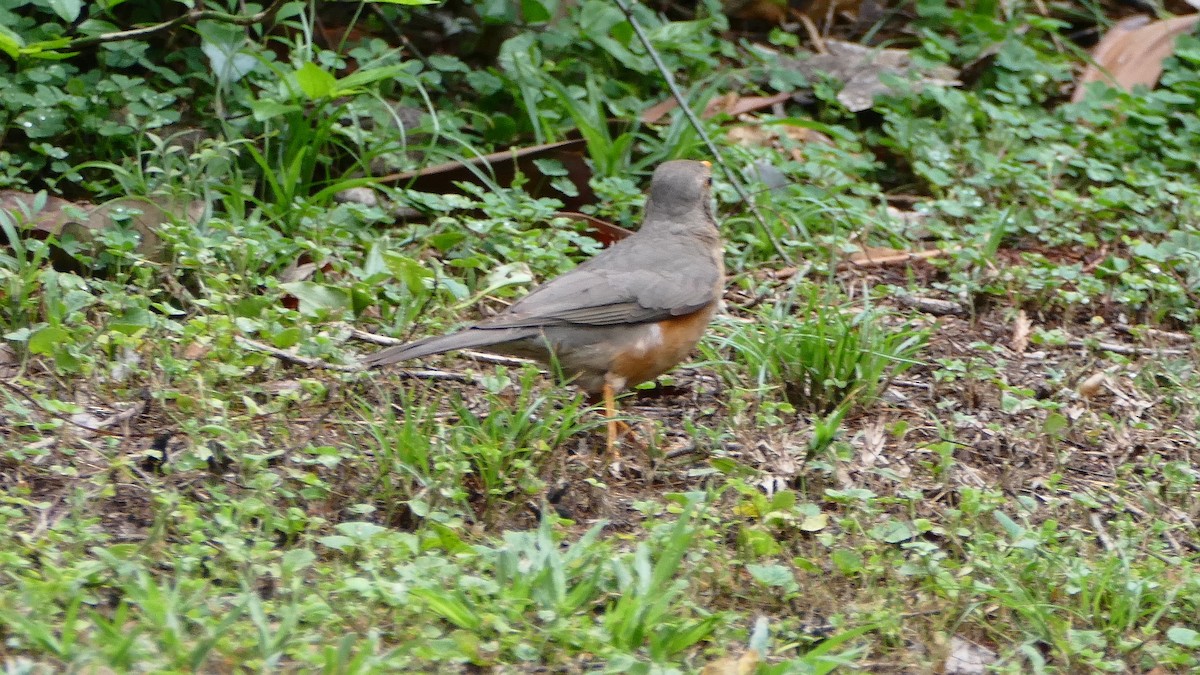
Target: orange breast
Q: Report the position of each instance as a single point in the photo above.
(662, 348)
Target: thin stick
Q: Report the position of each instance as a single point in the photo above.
(289, 357)
(695, 122)
(191, 17)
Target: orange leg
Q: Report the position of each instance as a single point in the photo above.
(610, 412)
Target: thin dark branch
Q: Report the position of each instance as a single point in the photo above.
(695, 122)
(188, 18)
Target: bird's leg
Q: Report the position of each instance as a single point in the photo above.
(610, 412)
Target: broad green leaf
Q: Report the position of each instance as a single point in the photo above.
(360, 530)
(1186, 637)
(265, 109)
(315, 297)
(411, 272)
(538, 11)
(67, 9)
(315, 82)
(10, 42)
(351, 82)
(288, 337)
(337, 541)
(892, 532)
(771, 575)
(44, 340)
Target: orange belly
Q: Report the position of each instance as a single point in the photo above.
(662, 349)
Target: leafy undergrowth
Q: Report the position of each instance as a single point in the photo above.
(987, 451)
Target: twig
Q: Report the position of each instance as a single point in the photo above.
(438, 375)
(934, 306)
(1101, 533)
(897, 258)
(289, 357)
(191, 17)
(1133, 350)
(123, 416)
(482, 357)
(495, 359)
(695, 122)
(374, 338)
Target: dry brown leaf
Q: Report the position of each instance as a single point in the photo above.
(860, 68)
(745, 664)
(967, 658)
(1092, 385)
(81, 220)
(194, 351)
(502, 167)
(1132, 52)
(772, 135)
(731, 103)
(934, 306)
(878, 256)
(601, 230)
(783, 11)
(1020, 332)
(873, 439)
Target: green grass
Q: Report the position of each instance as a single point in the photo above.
(840, 483)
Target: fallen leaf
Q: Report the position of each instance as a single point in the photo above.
(733, 665)
(782, 11)
(601, 230)
(1132, 52)
(967, 658)
(194, 351)
(1092, 385)
(732, 104)
(860, 68)
(499, 168)
(1020, 332)
(934, 306)
(81, 221)
(776, 136)
(879, 256)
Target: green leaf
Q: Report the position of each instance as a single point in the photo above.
(847, 562)
(315, 82)
(410, 3)
(772, 575)
(350, 83)
(451, 609)
(265, 109)
(815, 523)
(10, 42)
(1184, 636)
(407, 270)
(67, 9)
(359, 530)
(1055, 424)
(537, 11)
(336, 541)
(134, 320)
(288, 337)
(315, 298)
(297, 559)
(892, 532)
(45, 340)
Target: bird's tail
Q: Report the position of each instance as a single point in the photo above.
(465, 339)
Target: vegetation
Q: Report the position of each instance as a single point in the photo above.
(984, 448)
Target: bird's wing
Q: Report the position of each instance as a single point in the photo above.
(601, 296)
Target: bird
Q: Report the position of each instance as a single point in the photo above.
(623, 317)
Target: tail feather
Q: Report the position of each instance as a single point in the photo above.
(465, 339)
